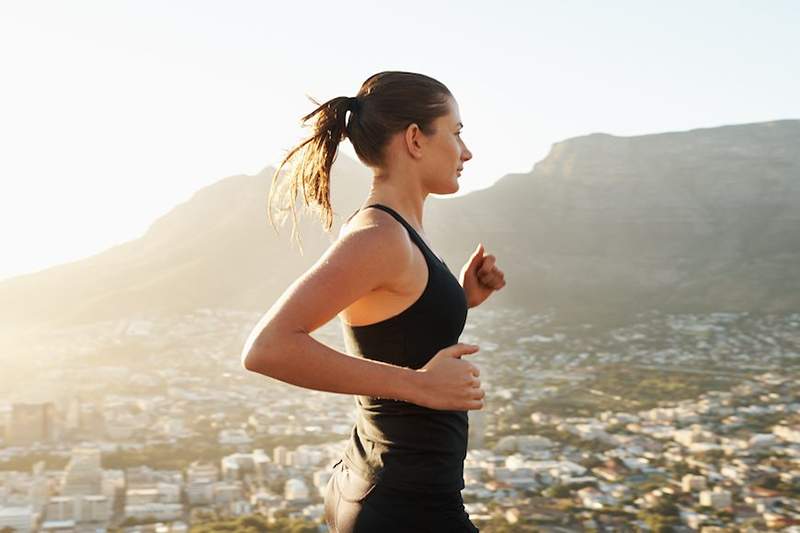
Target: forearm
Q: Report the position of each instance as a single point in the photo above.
(301, 360)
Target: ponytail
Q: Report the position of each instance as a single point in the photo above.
(387, 103)
(313, 171)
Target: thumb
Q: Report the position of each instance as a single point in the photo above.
(477, 255)
(463, 349)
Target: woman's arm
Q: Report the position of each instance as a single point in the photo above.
(307, 363)
(280, 345)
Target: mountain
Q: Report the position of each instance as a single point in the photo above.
(699, 220)
(217, 249)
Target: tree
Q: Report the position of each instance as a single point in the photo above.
(558, 491)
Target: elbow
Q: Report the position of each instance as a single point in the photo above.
(258, 354)
(258, 359)
(266, 351)
(249, 361)
(258, 362)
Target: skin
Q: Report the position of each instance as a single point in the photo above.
(418, 165)
(374, 271)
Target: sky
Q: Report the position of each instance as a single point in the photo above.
(113, 112)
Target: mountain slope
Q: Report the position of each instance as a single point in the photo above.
(699, 220)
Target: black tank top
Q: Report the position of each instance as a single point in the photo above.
(400, 444)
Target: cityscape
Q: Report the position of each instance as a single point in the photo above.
(667, 422)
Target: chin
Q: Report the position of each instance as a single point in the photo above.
(450, 190)
(447, 187)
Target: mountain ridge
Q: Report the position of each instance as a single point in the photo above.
(683, 220)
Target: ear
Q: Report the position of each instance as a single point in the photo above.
(415, 140)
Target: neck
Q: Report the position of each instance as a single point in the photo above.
(404, 196)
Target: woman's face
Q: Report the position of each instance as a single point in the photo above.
(446, 153)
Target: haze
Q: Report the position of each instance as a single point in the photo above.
(113, 113)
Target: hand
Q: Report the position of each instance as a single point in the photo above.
(448, 383)
(480, 277)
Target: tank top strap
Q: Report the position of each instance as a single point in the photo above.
(397, 216)
(420, 242)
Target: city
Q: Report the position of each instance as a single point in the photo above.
(689, 422)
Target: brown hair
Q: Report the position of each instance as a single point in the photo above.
(387, 103)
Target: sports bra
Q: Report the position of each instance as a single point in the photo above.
(398, 443)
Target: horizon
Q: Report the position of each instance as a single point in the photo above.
(144, 123)
(459, 194)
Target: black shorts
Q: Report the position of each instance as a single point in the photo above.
(356, 505)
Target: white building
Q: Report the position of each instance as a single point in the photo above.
(306, 456)
(113, 481)
(58, 526)
(200, 492)
(140, 496)
(718, 498)
(199, 470)
(87, 508)
(692, 483)
(296, 489)
(159, 511)
(83, 474)
(94, 508)
(225, 493)
(693, 435)
(61, 508)
(20, 518)
(280, 455)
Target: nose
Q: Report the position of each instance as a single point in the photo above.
(466, 155)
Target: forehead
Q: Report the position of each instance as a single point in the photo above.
(453, 117)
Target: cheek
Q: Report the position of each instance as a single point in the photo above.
(455, 147)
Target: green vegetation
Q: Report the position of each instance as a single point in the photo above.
(256, 524)
(24, 463)
(180, 455)
(131, 521)
(621, 387)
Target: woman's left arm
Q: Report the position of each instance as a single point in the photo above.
(480, 277)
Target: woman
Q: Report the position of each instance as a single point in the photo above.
(401, 309)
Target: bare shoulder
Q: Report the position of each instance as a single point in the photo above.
(377, 224)
(370, 254)
(380, 239)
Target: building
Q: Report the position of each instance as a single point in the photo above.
(692, 483)
(82, 474)
(718, 498)
(31, 423)
(158, 511)
(19, 518)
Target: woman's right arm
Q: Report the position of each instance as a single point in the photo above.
(280, 345)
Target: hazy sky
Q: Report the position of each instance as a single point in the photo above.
(112, 112)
